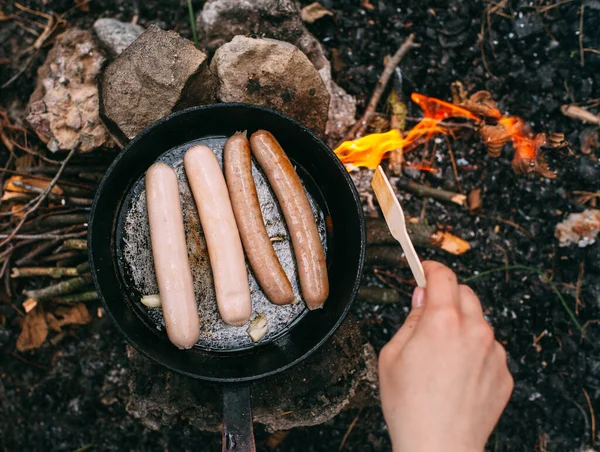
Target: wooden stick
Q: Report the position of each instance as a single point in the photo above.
(75, 244)
(83, 268)
(85, 202)
(435, 193)
(78, 297)
(421, 235)
(387, 256)
(36, 252)
(53, 272)
(378, 295)
(57, 220)
(361, 125)
(64, 287)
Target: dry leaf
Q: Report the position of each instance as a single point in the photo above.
(73, 315)
(34, 330)
(367, 5)
(53, 322)
(314, 12)
(475, 201)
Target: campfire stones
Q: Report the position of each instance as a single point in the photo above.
(221, 20)
(272, 73)
(158, 73)
(115, 36)
(63, 109)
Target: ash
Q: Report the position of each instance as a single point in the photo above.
(138, 265)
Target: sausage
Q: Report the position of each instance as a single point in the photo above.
(170, 256)
(246, 208)
(222, 237)
(312, 268)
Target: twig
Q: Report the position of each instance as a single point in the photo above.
(86, 202)
(350, 428)
(589, 49)
(31, 363)
(78, 297)
(53, 272)
(36, 252)
(378, 295)
(436, 193)
(581, 51)
(592, 416)
(511, 223)
(505, 258)
(454, 169)
(555, 5)
(361, 125)
(83, 268)
(75, 244)
(60, 256)
(64, 287)
(41, 197)
(45, 236)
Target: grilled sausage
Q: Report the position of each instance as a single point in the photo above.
(222, 237)
(246, 208)
(312, 268)
(170, 256)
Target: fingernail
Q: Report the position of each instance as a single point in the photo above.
(418, 297)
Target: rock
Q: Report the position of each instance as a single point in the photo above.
(221, 20)
(272, 73)
(63, 109)
(341, 375)
(115, 36)
(158, 73)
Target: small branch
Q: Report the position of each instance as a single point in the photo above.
(78, 297)
(361, 125)
(387, 256)
(83, 268)
(435, 193)
(61, 256)
(75, 244)
(85, 202)
(36, 252)
(64, 287)
(378, 295)
(53, 272)
(45, 235)
(40, 198)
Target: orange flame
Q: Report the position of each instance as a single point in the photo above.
(369, 150)
(526, 145)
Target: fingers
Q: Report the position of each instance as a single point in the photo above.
(408, 328)
(469, 302)
(442, 286)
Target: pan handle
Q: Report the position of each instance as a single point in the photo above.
(238, 433)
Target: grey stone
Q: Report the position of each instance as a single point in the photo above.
(272, 73)
(64, 108)
(115, 36)
(221, 20)
(158, 73)
(341, 375)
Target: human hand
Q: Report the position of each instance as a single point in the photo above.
(444, 379)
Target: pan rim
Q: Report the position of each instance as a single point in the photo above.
(361, 227)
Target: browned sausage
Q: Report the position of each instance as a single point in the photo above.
(312, 268)
(246, 208)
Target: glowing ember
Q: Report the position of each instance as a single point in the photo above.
(369, 150)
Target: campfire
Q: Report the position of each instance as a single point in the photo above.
(494, 128)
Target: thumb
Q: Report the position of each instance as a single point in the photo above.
(407, 330)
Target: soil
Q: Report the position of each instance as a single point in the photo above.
(71, 396)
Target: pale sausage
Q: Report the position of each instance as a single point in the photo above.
(170, 256)
(222, 237)
(246, 208)
(312, 268)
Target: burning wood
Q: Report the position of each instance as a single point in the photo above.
(495, 129)
(435, 193)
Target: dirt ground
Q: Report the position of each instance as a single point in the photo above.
(528, 54)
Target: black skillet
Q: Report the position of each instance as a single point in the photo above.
(329, 184)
